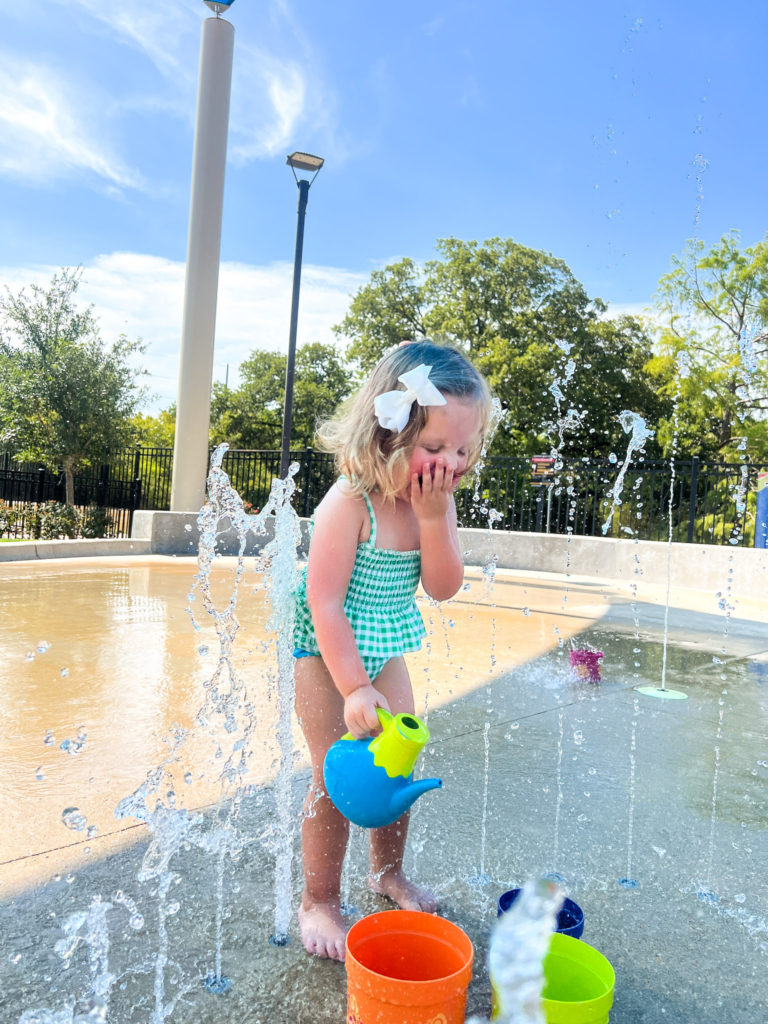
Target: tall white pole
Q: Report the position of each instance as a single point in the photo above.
(193, 411)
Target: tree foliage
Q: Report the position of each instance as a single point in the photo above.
(155, 431)
(251, 415)
(66, 398)
(712, 359)
(545, 347)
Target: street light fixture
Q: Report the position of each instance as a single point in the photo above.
(301, 162)
(219, 7)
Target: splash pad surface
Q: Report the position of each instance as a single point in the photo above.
(593, 783)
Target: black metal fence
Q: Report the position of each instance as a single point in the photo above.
(688, 500)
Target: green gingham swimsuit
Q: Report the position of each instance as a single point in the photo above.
(379, 604)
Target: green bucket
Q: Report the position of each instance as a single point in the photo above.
(578, 983)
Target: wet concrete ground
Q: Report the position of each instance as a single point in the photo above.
(595, 782)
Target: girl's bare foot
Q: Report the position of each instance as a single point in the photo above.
(406, 894)
(322, 929)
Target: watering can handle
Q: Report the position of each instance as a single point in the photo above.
(385, 717)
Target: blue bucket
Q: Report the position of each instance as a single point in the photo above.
(570, 920)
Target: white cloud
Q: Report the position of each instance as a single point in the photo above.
(55, 119)
(162, 33)
(268, 102)
(142, 296)
(269, 99)
(49, 132)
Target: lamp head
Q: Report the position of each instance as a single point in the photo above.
(305, 162)
(218, 7)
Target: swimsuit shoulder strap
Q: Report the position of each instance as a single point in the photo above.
(372, 516)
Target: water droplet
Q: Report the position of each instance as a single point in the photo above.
(39, 774)
(202, 649)
(740, 897)
(218, 985)
(73, 747)
(73, 819)
(613, 457)
(91, 832)
(188, 778)
(30, 655)
(64, 673)
(14, 957)
(43, 646)
(136, 921)
(628, 883)
(526, 611)
(708, 897)
(49, 739)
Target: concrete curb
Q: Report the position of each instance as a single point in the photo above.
(696, 566)
(100, 547)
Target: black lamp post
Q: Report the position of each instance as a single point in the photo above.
(302, 162)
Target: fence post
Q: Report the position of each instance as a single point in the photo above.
(692, 499)
(137, 463)
(135, 492)
(101, 487)
(539, 510)
(307, 482)
(41, 475)
(135, 501)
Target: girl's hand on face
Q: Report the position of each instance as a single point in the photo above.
(360, 711)
(432, 490)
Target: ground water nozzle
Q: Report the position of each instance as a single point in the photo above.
(370, 780)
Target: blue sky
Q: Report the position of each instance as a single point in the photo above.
(606, 133)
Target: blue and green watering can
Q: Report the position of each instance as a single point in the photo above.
(371, 780)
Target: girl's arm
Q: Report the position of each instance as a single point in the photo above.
(442, 569)
(338, 521)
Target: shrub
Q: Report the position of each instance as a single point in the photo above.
(58, 520)
(95, 522)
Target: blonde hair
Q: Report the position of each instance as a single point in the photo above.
(373, 458)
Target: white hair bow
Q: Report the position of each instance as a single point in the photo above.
(393, 408)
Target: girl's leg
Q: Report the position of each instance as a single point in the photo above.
(388, 843)
(324, 830)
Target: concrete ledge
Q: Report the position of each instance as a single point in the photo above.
(166, 533)
(100, 547)
(176, 533)
(699, 566)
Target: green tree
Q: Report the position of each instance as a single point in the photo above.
(522, 316)
(251, 415)
(66, 398)
(712, 357)
(155, 431)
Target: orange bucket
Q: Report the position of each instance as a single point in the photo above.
(407, 967)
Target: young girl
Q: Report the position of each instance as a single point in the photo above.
(401, 447)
